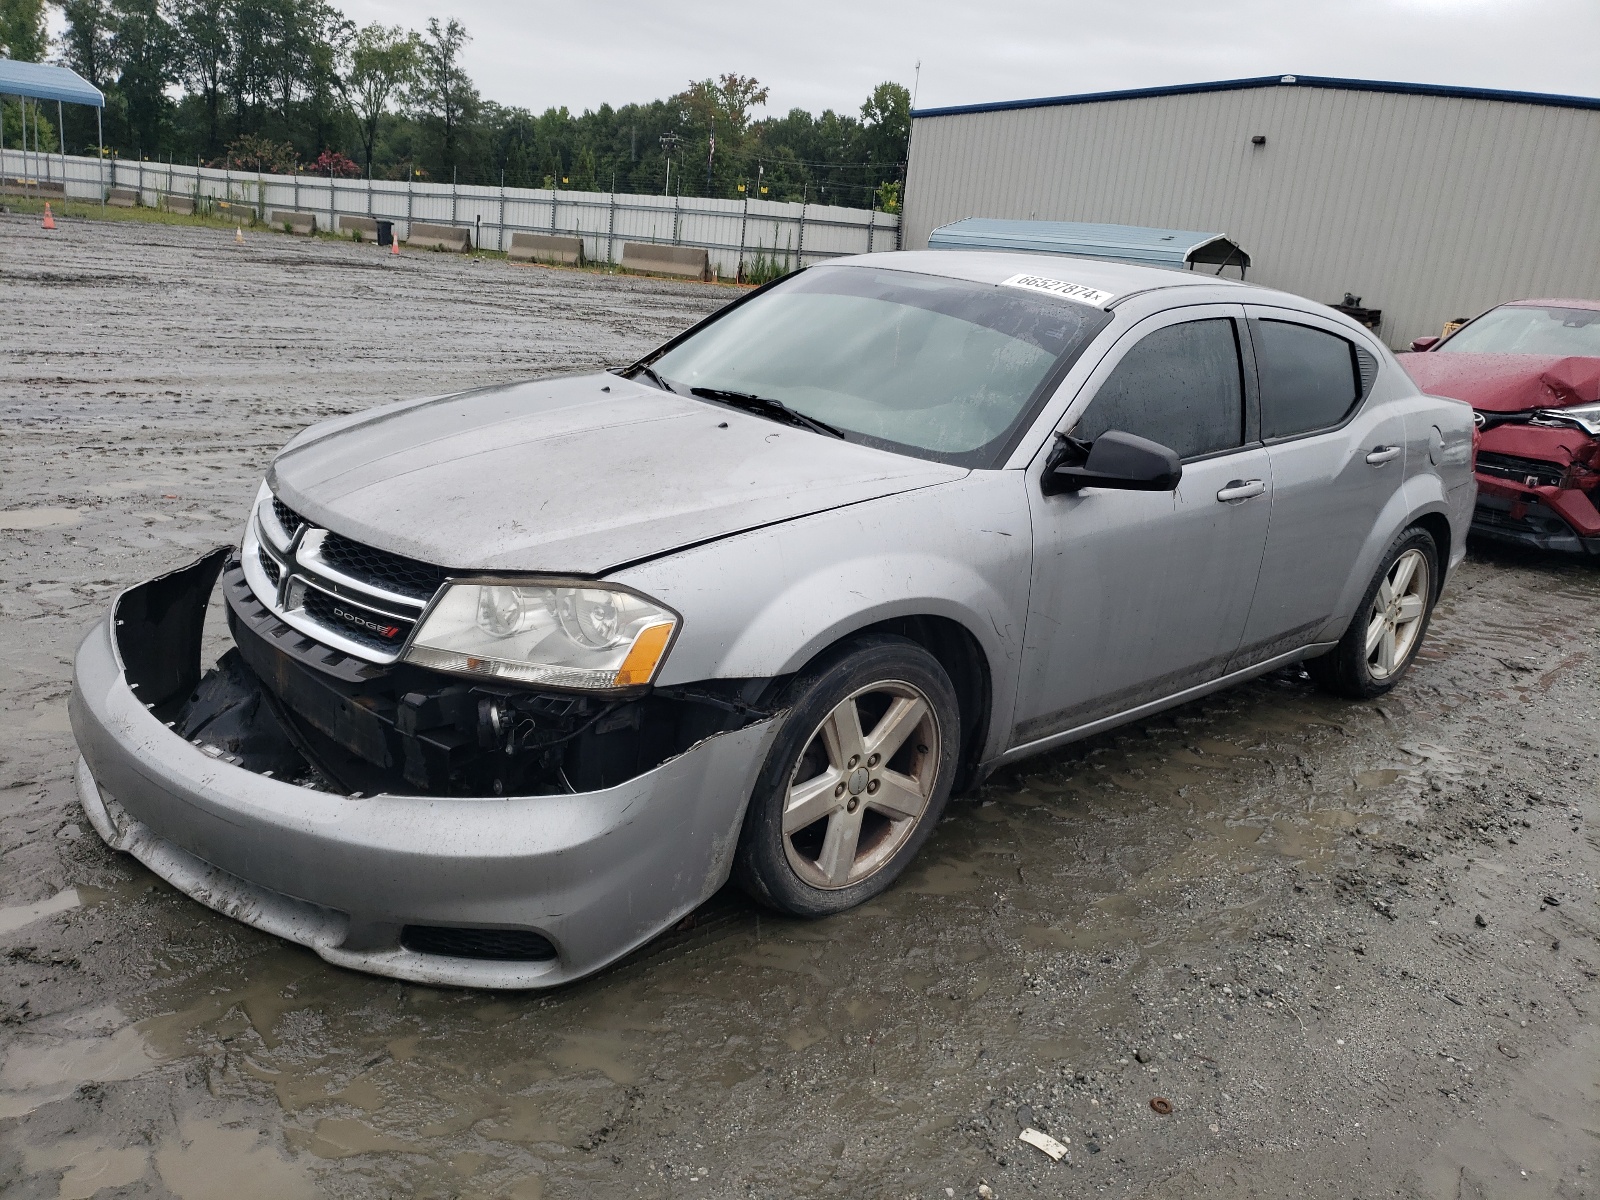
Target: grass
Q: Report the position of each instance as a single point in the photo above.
(238, 214)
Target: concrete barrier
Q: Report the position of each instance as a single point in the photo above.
(457, 238)
(182, 205)
(689, 261)
(122, 198)
(295, 222)
(33, 187)
(365, 228)
(543, 247)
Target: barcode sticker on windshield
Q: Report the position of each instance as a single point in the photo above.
(1060, 287)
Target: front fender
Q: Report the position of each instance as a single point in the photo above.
(765, 603)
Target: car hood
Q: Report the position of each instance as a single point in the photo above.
(574, 475)
(1507, 382)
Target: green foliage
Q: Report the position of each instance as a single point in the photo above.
(252, 152)
(12, 130)
(384, 62)
(189, 79)
(22, 30)
(763, 267)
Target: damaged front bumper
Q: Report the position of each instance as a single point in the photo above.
(491, 892)
(1537, 486)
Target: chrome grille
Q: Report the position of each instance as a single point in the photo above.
(356, 621)
(419, 580)
(355, 598)
(287, 517)
(270, 565)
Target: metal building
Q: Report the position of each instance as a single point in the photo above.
(1428, 203)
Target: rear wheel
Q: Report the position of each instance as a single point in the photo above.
(1390, 622)
(855, 781)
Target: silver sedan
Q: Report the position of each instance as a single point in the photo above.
(520, 676)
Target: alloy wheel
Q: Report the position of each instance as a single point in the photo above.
(1395, 622)
(861, 784)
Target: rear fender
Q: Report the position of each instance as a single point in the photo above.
(1421, 495)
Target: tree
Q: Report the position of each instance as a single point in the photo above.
(205, 51)
(444, 95)
(886, 124)
(22, 32)
(384, 62)
(86, 44)
(141, 47)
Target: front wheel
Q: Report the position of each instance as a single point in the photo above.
(855, 781)
(1389, 625)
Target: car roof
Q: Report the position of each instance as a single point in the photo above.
(996, 266)
(1592, 305)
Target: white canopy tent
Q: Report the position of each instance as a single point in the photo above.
(39, 82)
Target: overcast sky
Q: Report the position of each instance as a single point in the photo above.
(830, 53)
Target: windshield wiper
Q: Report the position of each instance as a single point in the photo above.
(765, 406)
(657, 378)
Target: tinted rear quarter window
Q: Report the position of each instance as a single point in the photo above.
(1179, 386)
(1309, 379)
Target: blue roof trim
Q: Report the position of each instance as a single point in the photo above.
(1087, 239)
(39, 81)
(1547, 99)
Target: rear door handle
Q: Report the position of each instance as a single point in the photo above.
(1379, 455)
(1241, 489)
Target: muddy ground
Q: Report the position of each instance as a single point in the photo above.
(1354, 945)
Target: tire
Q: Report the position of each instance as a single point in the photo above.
(873, 792)
(1360, 668)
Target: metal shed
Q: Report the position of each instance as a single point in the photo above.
(1426, 202)
(1176, 248)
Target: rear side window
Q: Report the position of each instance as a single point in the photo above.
(1310, 380)
(1179, 386)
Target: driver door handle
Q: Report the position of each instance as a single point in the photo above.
(1241, 489)
(1379, 455)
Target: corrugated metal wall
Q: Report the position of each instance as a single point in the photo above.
(1426, 207)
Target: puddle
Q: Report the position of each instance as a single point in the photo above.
(39, 518)
(595, 1052)
(86, 1165)
(207, 1160)
(343, 1137)
(18, 916)
(39, 1069)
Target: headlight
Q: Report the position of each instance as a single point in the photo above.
(1585, 416)
(595, 638)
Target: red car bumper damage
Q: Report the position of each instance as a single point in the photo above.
(1538, 484)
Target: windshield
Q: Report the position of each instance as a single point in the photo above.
(1530, 329)
(940, 368)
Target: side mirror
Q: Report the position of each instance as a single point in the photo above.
(1116, 460)
(1424, 343)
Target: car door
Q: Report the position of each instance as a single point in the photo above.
(1139, 595)
(1335, 461)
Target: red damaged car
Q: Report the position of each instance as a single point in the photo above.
(1531, 371)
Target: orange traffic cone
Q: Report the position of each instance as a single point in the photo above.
(394, 246)
(238, 235)
(49, 221)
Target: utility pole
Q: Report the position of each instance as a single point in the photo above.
(669, 142)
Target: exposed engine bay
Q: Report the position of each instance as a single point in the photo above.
(283, 704)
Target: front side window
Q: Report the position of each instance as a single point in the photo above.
(1529, 329)
(1310, 380)
(1179, 386)
(940, 368)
